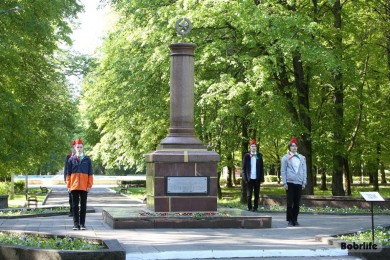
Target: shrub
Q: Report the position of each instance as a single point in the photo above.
(4, 188)
(19, 186)
(271, 178)
(222, 182)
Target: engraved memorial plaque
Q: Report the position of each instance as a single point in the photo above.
(176, 186)
(372, 196)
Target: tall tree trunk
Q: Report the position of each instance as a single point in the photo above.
(338, 124)
(219, 185)
(234, 180)
(276, 145)
(376, 168)
(361, 171)
(219, 172)
(244, 143)
(387, 36)
(302, 87)
(347, 178)
(12, 187)
(300, 117)
(383, 173)
(230, 167)
(323, 179)
(370, 175)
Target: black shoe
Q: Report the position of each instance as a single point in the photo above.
(70, 215)
(76, 227)
(254, 210)
(290, 224)
(82, 227)
(295, 223)
(249, 209)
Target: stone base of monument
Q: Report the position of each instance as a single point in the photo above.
(182, 180)
(125, 218)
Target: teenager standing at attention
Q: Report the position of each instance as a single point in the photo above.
(294, 176)
(79, 181)
(73, 152)
(253, 174)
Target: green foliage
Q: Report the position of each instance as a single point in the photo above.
(247, 83)
(32, 211)
(222, 182)
(38, 241)
(19, 186)
(19, 200)
(271, 179)
(136, 192)
(381, 235)
(36, 106)
(4, 188)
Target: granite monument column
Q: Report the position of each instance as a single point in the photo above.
(181, 175)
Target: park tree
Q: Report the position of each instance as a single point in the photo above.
(263, 69)
(36, 108)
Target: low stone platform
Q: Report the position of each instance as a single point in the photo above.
(124, 218)
(322, 201)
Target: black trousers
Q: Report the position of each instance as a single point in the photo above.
(70, 203)
(79, 196)
(253, 187)
(293, 199)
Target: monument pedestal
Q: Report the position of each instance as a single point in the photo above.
(182, 176)
(182, 180)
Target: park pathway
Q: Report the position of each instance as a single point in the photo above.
(278, 241)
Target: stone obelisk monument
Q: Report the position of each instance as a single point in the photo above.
(181, 175)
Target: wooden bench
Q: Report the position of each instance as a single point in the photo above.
(31, 200)
(44, 190)
(134, 183)
(122, 187)
(125, 185)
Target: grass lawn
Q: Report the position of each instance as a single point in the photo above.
(279, 190)
(136, 192)
(231, 196)
(234, 193)
(19, 200)
(382, 234)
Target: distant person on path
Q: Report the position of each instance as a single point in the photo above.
(294, 175)
(79, 181)
(253, 174)
(66, 172)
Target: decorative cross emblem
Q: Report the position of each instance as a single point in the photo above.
(183, 27)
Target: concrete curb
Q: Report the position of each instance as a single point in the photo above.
(217, 254)
(114, 251)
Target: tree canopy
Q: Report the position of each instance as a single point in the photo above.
(269, 70)
(36, 116)
(318, 70)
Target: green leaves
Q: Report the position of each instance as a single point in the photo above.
(36, 109)
(263, 69)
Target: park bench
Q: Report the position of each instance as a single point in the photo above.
(31, 200)
(44, 190)
(125, 185)
(122, 188)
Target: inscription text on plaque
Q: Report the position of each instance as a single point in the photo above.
(176, 186)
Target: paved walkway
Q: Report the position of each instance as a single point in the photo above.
(278, 241)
